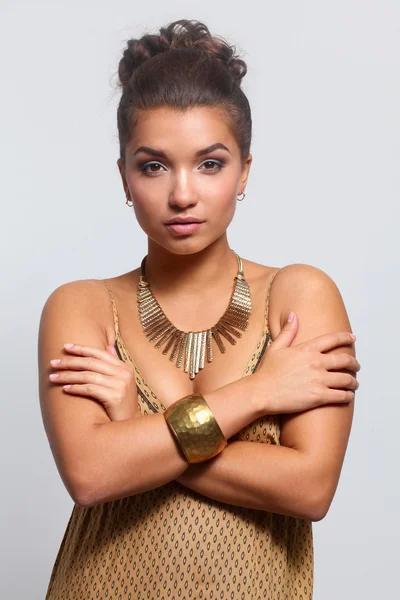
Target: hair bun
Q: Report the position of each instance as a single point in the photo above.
(179, 34)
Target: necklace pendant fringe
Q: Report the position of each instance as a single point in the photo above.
(190, 349)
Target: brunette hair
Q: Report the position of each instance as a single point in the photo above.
(183, 66)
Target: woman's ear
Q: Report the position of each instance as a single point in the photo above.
(121, 168)
(245, 172)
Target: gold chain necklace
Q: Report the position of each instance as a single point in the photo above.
(190, 347)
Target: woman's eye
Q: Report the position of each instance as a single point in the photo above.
(209, 165)
(214, 163)
(144, 168)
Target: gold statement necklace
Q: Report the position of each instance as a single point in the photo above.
(189, 348)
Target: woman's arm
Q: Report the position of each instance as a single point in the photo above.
(304, 471)
(101, 460)
(262, 476)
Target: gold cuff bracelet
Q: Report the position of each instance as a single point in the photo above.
(195, 428)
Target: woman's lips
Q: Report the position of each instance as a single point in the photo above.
(183, 228)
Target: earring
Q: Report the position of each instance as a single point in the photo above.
(242, 198)
(127, 202)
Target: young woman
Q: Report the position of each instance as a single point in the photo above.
(213, 493)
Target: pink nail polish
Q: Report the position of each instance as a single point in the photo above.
(68, 345)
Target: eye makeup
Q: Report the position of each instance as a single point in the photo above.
(219, 164)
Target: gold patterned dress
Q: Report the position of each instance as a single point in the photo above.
(172, 543)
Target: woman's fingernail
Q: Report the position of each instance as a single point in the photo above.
(55, 361)
(53, 376)
(68, 345)
(353, 336)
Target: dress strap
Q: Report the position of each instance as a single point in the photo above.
(114, 308)
(266, 312)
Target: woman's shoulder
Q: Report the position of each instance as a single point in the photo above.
(285, 278)
(87, 300)
(284, 284)
(78, 309)
(90, 290)
(83, 291)
(295, 277)
(293, 270)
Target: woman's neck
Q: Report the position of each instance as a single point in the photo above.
(214, 266)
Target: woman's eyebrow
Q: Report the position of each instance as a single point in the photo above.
(154, 152)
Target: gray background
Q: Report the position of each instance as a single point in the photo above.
(323, 83)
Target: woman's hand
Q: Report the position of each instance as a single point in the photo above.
(294, 379)
(101, 375)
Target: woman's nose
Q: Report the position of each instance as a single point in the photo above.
(182, 194)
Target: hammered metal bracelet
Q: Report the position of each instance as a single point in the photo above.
(195, 428)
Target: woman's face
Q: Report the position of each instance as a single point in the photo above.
(166, 176)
